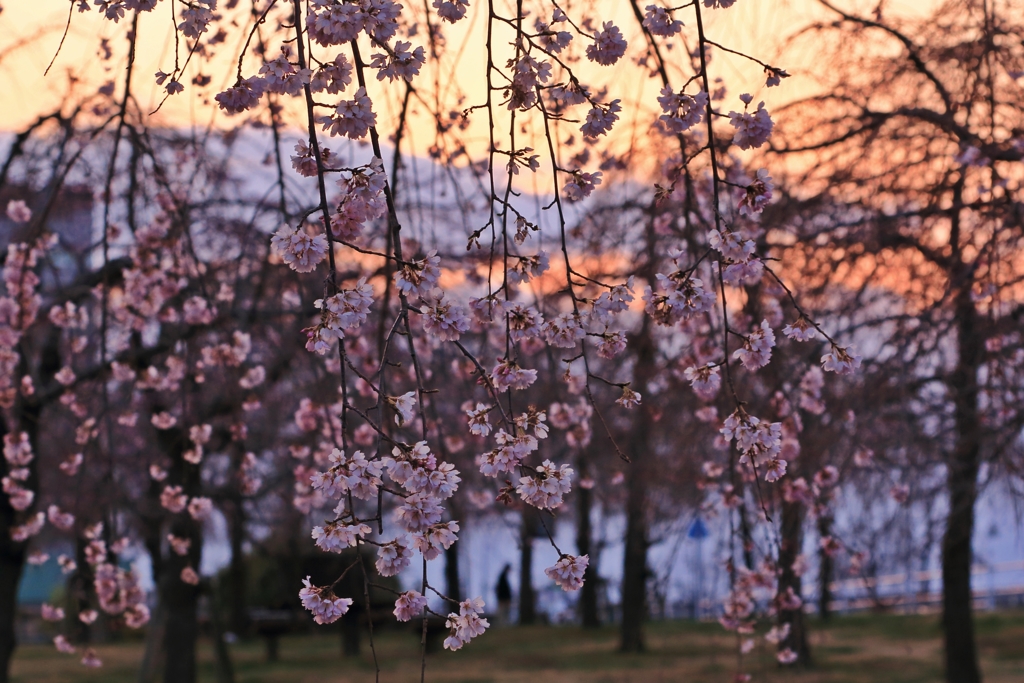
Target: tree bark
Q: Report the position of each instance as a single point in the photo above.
(588, 593)
(634, 571)
(527, 598)
(792, 540)
(451, 573)
(12, 559)
(222, 657)
(825, 570)
(238, 614)
(12, 553)
(961, 479)
(180, 600)
(180, 605)
(452, 580)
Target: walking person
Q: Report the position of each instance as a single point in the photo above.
(504, 591)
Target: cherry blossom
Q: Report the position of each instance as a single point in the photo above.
(242, 96)
(757, 194)
(393, 557)
(800, 330)
(91, 659)
(51, 613)
(465, 625)
(840, 361)
(298, 249)
(705, 380)
(352, 118)
(600, 119)
(757, 348)
(436, 539)
(400, 62)
(334, 537)
(629, 398)
(659, 22)
(445, 320)
(419, 278)
(568, 572)
(546, 487)
(451, 10)
(508, 374)
(581, 185)
(173, 500)
(63, 646)
(18, 211)
(409, 605)
(199, 508)
(608, 45)
(752, 129)
(681, 111)
(325, 606)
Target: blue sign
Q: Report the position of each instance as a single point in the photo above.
(697, 529)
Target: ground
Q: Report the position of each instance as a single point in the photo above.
(858, 649)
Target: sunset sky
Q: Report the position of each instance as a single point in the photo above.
(30, 33)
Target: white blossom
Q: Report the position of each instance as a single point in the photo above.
(568, 571)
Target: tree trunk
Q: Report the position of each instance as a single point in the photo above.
(180, 603)
(825, 571)
(527, 599)
(12, 553)
(588, 593)
(451, 573)
(634, 571)
(962, 481)
(12, 559)
(452, 580)
(222, 657)
(792, 540)
(238, 614)
(152, 536)
(153, 655)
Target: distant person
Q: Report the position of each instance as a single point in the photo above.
(504, 591)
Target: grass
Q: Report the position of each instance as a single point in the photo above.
(857, 649)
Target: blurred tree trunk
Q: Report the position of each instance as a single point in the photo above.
(825, 570)
(222, 657)
(452, 580)
(179, 599)
(451, 573)
(152, 537)
(746, 537)
(153, 654)
(584, 505)
(12, 559)
(180, 606)
(634, 569)
(962, 477)
(527, 598)
(792, 541)
(26, 414)
(634, 573)
(352, 625)
(237, 583)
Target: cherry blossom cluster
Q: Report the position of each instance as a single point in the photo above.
(20, 302)
(504, 301)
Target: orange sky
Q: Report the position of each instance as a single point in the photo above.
(30, 33)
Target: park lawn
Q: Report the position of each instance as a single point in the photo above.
(858, 649)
